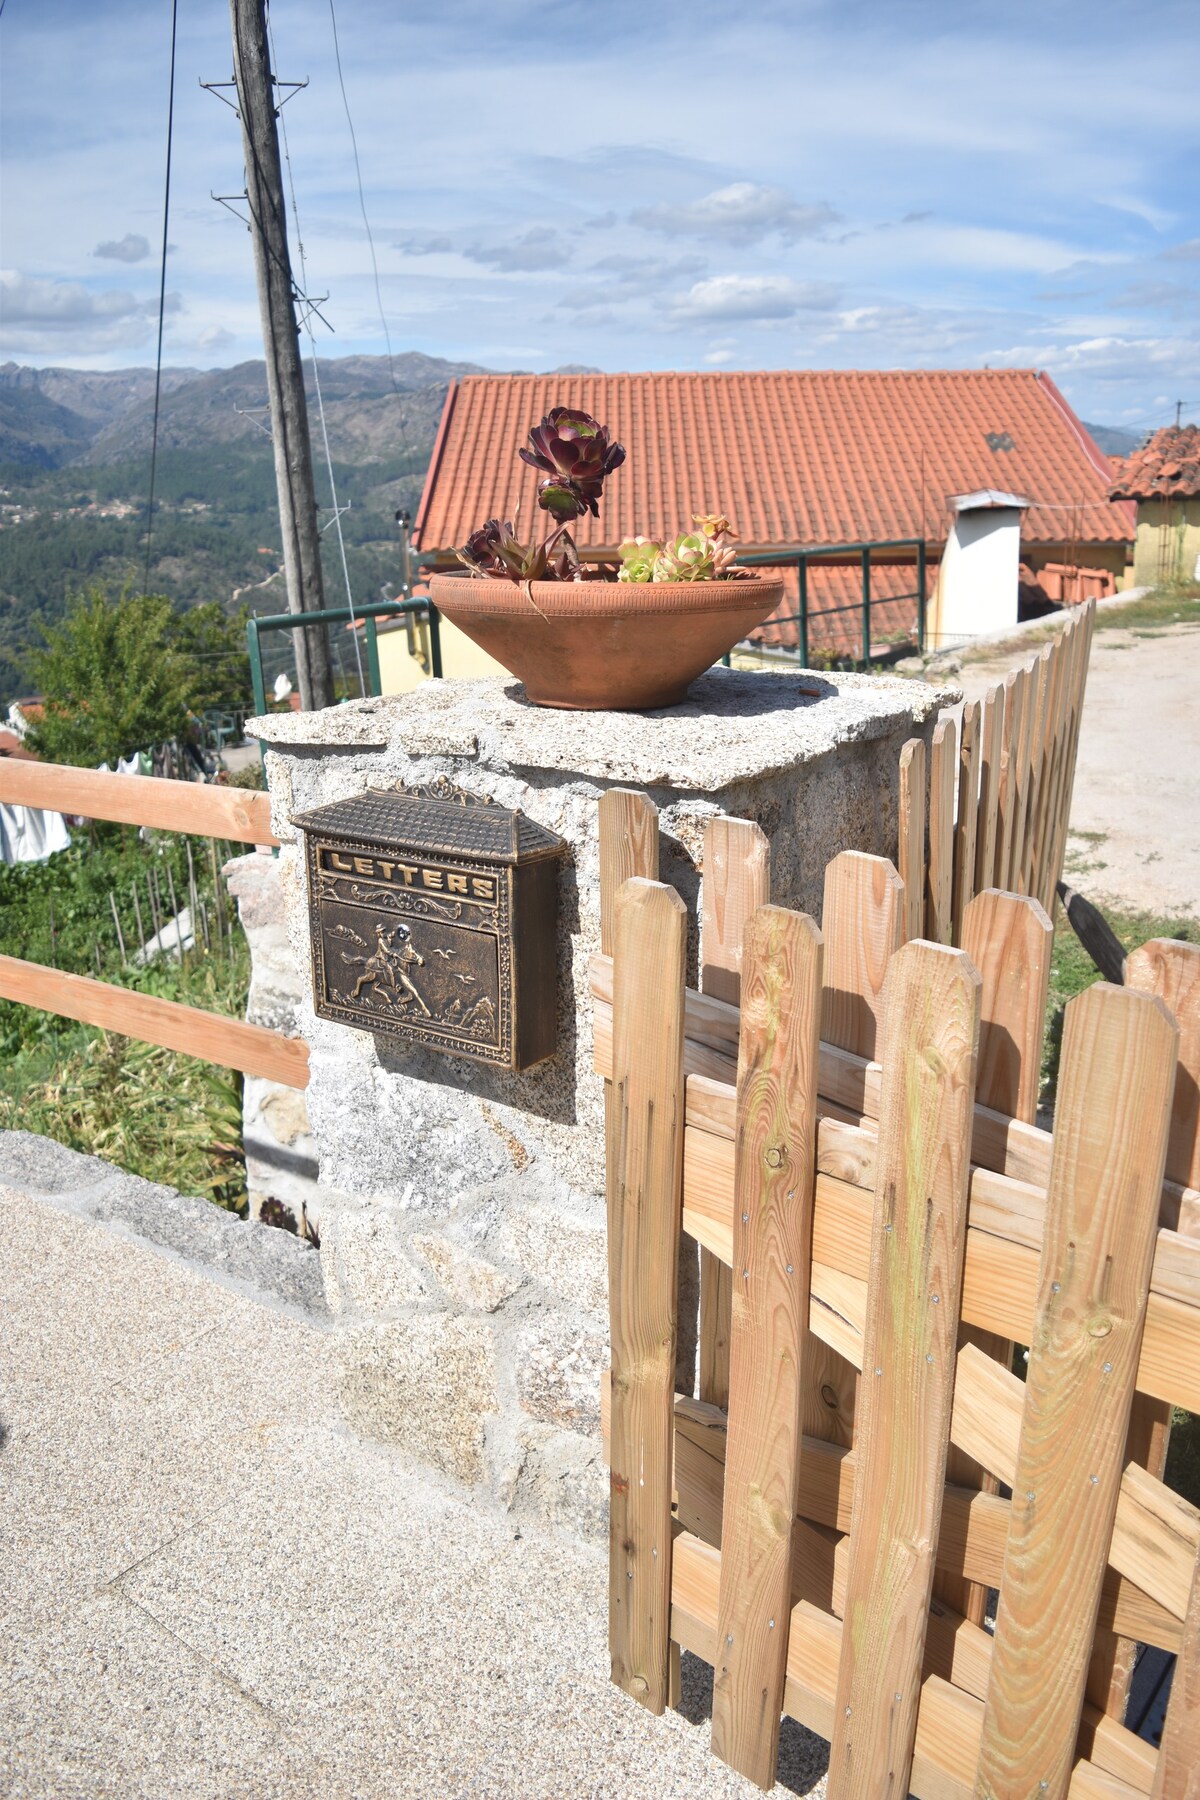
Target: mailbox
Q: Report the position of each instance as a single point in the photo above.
(434, 920)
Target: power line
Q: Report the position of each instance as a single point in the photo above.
(362, 204)
(162, 294)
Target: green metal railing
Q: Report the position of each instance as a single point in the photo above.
(821, 555)
(344, 615)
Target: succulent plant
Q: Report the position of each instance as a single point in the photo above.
(495, 549)
(576, 455)
(637, 559)
(706, 554)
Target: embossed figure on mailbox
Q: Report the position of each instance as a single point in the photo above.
(434, 920)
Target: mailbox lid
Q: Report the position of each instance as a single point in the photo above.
(476, 831)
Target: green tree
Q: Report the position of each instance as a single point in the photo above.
(213, 643)
(112, 679)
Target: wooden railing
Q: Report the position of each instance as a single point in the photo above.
(988, 806)
(853, 1147)
(231, 813)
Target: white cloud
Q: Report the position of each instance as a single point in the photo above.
(541, 247)
(1172, 295)
(426, 243)
(742, 213)
(215, 337)
(131, 248)
(67, 317)
(753, 297)
(1115, 359)
(1187, 252)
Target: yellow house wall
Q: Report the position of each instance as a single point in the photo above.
(1170, 554)
(400, 673)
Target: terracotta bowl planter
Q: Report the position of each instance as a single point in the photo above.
(605, 645)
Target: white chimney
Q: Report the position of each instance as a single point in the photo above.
(978, 581)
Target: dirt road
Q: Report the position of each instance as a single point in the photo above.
(1135, 818)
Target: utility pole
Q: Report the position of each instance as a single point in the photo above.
(281, 346)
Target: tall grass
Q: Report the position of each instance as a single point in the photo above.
(167, 1117)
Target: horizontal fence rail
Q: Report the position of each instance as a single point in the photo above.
(210, 1036)
(888, 1219)
(188, 806)
(182, 806)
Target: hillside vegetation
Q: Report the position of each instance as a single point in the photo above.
(75, 469)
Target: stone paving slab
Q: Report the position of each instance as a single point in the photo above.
(212, 1588)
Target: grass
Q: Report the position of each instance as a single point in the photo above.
(1072, 970)
(1176, 604)
(169, 1118)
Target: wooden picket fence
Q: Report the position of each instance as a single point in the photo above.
(988, 806)
(843, 1121)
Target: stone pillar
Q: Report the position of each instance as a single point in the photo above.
(462, 1231)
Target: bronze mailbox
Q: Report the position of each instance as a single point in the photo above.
(435, 921)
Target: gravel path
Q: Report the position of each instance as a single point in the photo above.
(1135, 816)
(212, 1589)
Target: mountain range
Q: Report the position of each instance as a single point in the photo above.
(51, 418)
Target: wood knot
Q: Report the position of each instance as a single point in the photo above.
(775, 1156)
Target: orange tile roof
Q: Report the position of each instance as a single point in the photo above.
(1166, 468)
(792, 456)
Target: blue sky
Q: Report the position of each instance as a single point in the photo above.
(837, 183)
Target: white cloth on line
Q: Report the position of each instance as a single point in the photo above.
(29, 834)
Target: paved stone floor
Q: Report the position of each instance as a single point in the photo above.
(210, 1589)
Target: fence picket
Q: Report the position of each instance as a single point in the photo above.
(628, 846)
(863, 924)
(1171, 970)
(1177, 1776)
(736, 882)
(772, 1248)
(1014, 715)
(1010, 940)
(1113, 1112)
(1081, 644)
(943, 780)
(991, 745)
(1068, 667)
(913, 1298)
(910, 849)
(1041, 769)
(645, 1155)
(967, 822)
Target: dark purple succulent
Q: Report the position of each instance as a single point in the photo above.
(496, 550)
(576, 456)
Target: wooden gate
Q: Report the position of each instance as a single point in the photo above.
(988, 806)
(847, 1132)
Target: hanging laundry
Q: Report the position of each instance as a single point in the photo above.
(28, 834)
